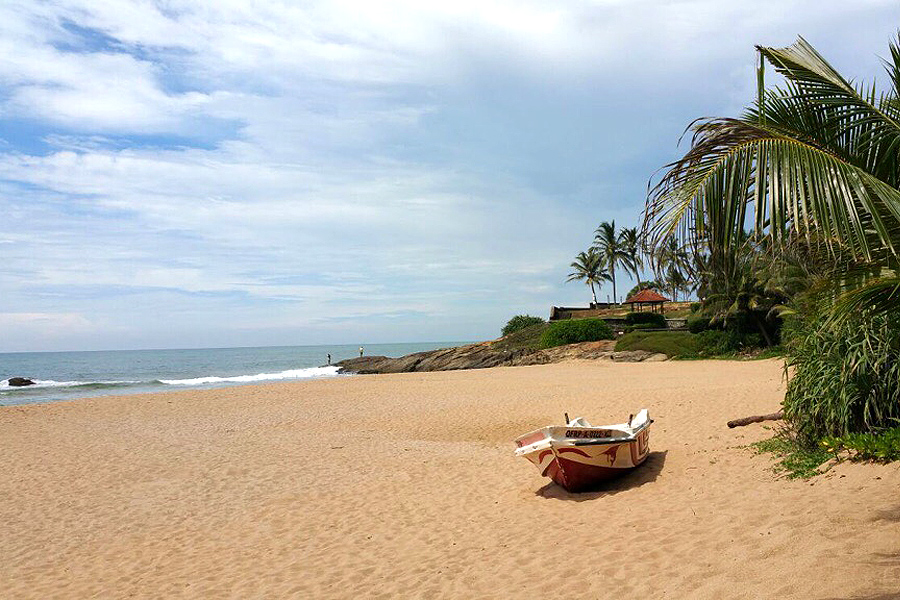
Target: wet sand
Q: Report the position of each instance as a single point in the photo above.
(405, 486)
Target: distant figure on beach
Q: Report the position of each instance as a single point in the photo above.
(360, 351)
(329, 358)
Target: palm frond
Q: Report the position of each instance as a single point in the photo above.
(819, 159)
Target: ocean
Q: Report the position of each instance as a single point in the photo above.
(69, 375)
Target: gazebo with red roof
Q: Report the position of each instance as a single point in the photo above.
(647, 297)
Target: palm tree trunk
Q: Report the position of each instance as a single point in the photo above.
(593, 293)
(762, 329)
(612, 272)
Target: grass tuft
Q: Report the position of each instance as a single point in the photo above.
(674, 344)
(795, 462)
(528, 338)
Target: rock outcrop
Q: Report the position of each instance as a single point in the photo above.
(19, 382)
(638, 356)
(487, 354)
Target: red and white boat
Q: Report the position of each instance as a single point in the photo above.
(578, 456)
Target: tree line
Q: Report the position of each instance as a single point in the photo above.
(614, 248)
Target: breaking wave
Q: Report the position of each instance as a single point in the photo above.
(49, 383)
(307, 373)
(290, 374)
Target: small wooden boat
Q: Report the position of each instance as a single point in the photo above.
(579, 455)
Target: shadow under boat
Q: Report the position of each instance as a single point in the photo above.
(646, 473)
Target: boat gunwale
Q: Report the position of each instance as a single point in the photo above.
(556, 443)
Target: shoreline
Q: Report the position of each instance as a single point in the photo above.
(406, 485)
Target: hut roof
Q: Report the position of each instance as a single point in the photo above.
(647, 297)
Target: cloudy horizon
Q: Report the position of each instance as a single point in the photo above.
(180, 174)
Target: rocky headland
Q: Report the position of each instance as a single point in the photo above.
(490, 354)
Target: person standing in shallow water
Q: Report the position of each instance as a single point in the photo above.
(360, 350)
(329, 359)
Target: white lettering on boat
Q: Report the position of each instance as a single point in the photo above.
(589, 433)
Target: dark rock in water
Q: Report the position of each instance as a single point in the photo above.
(473, 356)
(19, 382)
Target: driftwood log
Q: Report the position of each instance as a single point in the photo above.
(756, 419)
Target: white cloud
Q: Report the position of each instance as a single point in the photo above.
(229, 165)
(40, 331)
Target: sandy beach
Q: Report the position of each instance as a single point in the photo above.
(405, 486)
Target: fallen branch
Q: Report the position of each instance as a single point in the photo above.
(756, 419)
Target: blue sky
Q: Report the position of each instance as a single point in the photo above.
(175, 174)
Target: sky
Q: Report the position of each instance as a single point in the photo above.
(207, 174)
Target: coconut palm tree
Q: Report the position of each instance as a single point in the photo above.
(590, 267)
(815, 162)
(818, 159)
(674, 267)
(609, 244)
(632, 248)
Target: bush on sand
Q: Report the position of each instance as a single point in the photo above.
(573, 331)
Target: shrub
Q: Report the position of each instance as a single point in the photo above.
(674, 344)
(652, 318)
(846, 376)
(744, 329)
(696, 306)
(881, 447)
(523, 339)
(640, 326)
(713, 342)
(520, 322)
(572, 331)
(697, 323)
(795, 462)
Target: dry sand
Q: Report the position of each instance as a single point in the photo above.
(405, 486)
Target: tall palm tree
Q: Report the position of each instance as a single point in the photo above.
(631, 245)
(816, 160)
(673, 265)
(590, 267)
(675, 280)
(609, 244)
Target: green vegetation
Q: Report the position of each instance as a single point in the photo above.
(674, 344)
(846, 376)
(685, 345)
(812, 168)
(590, 267)
(796, 462)
(812, 165)
(713, 343)
(611, 246)
(646, 318)
(884, 447)
(572, 331)
(528, 338)
(698, 322)
(630, 243)
(799, 461)
(519, 322)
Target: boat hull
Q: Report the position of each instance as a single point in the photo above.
(574, 476)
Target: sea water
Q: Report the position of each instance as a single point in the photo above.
(70, 375)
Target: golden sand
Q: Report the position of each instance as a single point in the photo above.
(405, 486)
